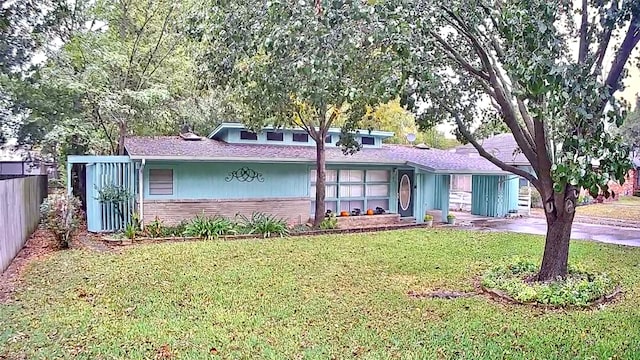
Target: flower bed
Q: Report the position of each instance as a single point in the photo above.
(516, 282)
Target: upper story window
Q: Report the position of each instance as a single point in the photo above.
(248, 135)
(368, 140)
(297, 137)
(328, 139)
(160, 182)
(275, 136)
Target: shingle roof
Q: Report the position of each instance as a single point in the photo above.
(502, 146)
(173, 147)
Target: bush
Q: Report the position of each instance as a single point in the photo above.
(536, 199)
(330, 222)
(580, 288)
(155, 229)
(130, 231)
(209, 227)
(263, 224)
(60, 214)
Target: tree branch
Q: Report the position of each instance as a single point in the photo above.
(512, 169)
(155, 49)
(617, 66)
(454, 55)
(604, 43)
(584, 44)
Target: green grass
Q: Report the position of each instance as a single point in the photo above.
(626, 208)
(339, 296)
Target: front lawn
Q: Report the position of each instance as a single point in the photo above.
(626, 208)
(339, 296)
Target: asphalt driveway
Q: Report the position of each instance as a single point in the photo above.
(603, 233)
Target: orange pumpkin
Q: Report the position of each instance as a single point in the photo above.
(369, 212)
(344, 213)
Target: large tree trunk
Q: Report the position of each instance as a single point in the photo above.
(122, 135)
(556, 248)
(321, 177)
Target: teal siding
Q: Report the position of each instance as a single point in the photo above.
(432, 194)
(195, 180)
(233, 136)
(512, 192)
(494, 196)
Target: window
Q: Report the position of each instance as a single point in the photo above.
(275, 136)
(300, 137)
(160, 182)
(349, 176)
(348, 189)
(328, 139)
(378, 176)
(368, 140)
(381, 190)
(351, 191)
(248, 135)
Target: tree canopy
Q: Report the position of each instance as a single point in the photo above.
(539, 68)
(299, 63)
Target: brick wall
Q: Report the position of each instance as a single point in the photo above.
(295, 210)
(629, 186)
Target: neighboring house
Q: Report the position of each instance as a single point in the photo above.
(19, 168)
(235, 171)
(504, 148)
(631, 184)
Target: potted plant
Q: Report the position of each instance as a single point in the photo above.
(428, 219)
(451, 219)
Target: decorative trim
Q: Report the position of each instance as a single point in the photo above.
(244, 174)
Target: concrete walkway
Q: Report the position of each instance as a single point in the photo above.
(603, 233)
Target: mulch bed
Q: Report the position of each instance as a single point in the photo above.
(147, 240)
(38, 246)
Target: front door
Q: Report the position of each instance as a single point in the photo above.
(405, 192)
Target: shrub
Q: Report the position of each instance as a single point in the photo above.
(329, 222)
(209, 227)
(155, 229)
(536, 199)
(60, 214)
(265, 225)
(301, 229)
(580, 288)
(116, 196)
(176, 230)
(428, 217)
(130, 231)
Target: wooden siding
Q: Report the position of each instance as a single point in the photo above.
(208, 180)
(295, 210)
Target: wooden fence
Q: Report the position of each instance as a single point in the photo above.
(20, 201)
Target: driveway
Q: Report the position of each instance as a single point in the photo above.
(602, 233)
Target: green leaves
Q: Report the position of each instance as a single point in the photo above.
(288, 56)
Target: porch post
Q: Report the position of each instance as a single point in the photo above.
(69, 187)
(141, 193)
(445, 185)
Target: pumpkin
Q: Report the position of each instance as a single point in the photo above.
(369, 211)
(344, 213)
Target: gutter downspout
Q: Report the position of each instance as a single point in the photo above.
(141, 193)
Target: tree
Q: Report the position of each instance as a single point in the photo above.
(630, 129)
(391, 116)
(539, 67)
(123, 67)
(298, 63)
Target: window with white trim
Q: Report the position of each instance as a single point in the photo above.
(348, 189)
(160, 182)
